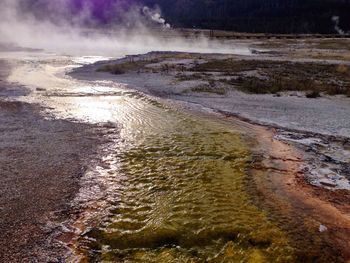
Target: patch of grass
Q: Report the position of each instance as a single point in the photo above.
(275, 85)
(256, 76)
(333, 44)
(329, 55)
(166, 67)
(189, 77)
(313, 94)
(258, 86)
(114, 69)
(343, 69)
(227, 66)
(281, 43)
(207, 89)
(124, 67)
(161, 55)
(277, 76)
(338, 90)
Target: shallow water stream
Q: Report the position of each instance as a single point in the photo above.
(182, 195)
(174, 184)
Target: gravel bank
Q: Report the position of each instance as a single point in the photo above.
(41, 163)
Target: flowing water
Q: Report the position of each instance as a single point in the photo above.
(174, 183)
(183, 196)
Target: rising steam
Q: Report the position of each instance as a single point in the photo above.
(155, 16)
(126, 31)
(336, 21)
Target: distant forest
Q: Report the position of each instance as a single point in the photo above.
(267, 16)
(263, 16)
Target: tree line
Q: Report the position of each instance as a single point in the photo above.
(266, 16)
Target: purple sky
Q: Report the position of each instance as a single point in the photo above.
(100, 9)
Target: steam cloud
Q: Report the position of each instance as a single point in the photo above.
(336, 21)
(155, 16)
(74, 28)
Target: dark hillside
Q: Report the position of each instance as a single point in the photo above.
(267, 16)
(264, 16)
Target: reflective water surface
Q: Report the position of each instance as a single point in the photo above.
(174, 185)
(184, 197)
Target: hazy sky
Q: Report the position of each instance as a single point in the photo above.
(94, 11)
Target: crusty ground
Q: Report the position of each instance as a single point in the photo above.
(41, 161)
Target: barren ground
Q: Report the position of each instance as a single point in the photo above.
(41, 163)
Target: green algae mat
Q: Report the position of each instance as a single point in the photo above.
(183, 195)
